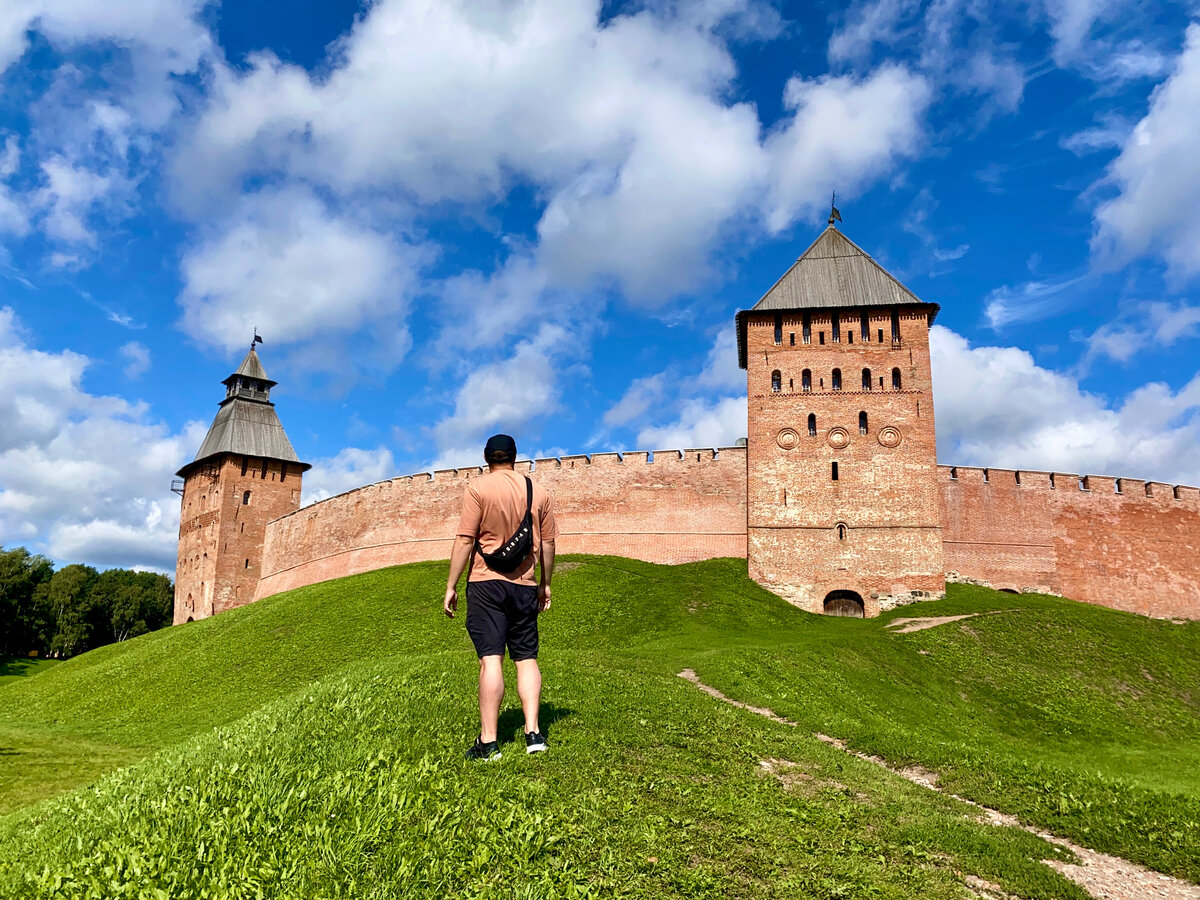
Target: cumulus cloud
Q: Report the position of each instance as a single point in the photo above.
(701, 423)
(84, 478)
(1155, 324)
(352, 467)
(137, 359)
(297, 271)
(842, 131)
(509, 395)
(1157, 176)
(996, 407)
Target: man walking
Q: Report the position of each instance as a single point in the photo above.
(507, 526)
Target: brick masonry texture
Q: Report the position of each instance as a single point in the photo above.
(226, 506)
(677, 507)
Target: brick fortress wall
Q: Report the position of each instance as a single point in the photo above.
(671, 507)
(1122, 543)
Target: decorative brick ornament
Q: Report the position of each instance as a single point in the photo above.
(838, 438)
(787, 439)
(889, 436)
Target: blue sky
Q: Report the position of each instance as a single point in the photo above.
(539, 217)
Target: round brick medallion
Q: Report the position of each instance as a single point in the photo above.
(889, 436)
(838, 438)
(787, 439)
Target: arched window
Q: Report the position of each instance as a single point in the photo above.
(895, 379)
(841, 529)
(866, 382)
(837, 379)
(812, 424)
(778, 328)
(806, 380)
(246, 499)
(865, 325)
(862, 422)
(776, 381)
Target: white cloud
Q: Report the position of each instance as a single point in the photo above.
(643, 395)
(701, 423)
(1112, 131)
(508, 396)
(1158, 177)
(84, 478)
(996, 407)
(1028, 301)
(298, 272)
(137, 359)
(1155, 324)
(843, 131)
(350, 468)
(69, 195)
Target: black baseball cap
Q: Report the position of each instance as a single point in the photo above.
(500, 443)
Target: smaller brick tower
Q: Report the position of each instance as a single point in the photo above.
(245, 475)
(841, 491)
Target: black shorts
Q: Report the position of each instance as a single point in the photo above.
(499, 613)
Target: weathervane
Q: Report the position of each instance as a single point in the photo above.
(257, 339)
(834, 215)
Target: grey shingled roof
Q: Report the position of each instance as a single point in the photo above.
(833, 273)
(252, 367)
(247, 426)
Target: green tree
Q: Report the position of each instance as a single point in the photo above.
(71, 604)
(25, 624)
(140, 603)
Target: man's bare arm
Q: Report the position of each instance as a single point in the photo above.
(547, 574)
(459, 557)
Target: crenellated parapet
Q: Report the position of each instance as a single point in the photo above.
(662, 506)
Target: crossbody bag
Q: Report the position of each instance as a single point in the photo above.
(517, 548)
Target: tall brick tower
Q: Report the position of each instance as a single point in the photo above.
(842, 504)
(245, 475)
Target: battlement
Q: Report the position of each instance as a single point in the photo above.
(1098, 486)
(720, 456)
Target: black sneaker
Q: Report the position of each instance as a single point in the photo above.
(489, 752)
(535, 742)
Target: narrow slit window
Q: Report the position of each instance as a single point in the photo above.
(821, 338)
(866, 379)
(850, 337)
(1017, 475)
(835, 324)
(841, 529)
(807, 329)
(245, 464)
(865, 328)
(264, 469)
(246, 499)
(283, 472)
(1117, 486)
(806, 380)
(836, 383)
(880, 330)
(1149, 491)
(1175, 492)
(778, 328)
(791, 385)
(862, 422)
(776, 380)
(986, 476)
(1053, 486)
(834, 473)
(895, 379)
(954, 472)
(791, 339)
(247, 564)
(895, 327)
(812, 424)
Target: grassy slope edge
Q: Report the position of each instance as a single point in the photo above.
(345, 776)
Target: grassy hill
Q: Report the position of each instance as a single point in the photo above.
(309, 745)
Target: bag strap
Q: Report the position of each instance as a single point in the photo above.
(528, 495)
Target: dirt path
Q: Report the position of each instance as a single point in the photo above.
(904, 626)
(1104, 877)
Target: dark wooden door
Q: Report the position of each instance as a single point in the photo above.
(844, 603)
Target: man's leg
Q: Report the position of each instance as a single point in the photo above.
(529, 687)
(491, 692)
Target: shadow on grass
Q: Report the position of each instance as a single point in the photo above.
(17, 666)
(512, 720)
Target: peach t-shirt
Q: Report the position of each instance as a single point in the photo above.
(492, 509)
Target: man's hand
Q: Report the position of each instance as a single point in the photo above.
(451, 602)
(543, 597)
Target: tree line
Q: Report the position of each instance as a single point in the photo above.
(77, 608)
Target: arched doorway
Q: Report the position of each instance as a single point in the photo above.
(844, 603)
(190, 619)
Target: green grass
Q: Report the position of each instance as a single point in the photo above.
(309, 746)
(13, 668)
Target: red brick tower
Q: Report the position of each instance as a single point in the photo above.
(245, 475)
(842, 503)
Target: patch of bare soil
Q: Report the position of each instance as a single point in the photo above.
(904, 626)
(1104, 877)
